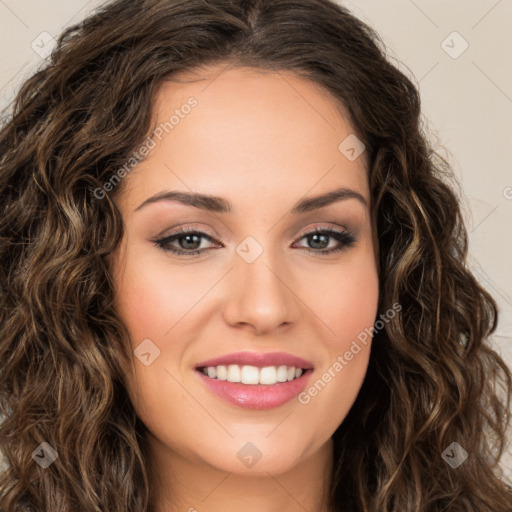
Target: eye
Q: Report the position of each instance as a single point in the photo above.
(189, 241)
(319, 238)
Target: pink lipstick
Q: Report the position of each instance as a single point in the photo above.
(256, 380)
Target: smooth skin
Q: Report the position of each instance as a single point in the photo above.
(262, 141)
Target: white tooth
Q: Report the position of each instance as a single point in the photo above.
(233, 374)
(250, 375)
(268, 375)
(282, 374)
(222, 372)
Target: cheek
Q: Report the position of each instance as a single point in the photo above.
(347, 300)
(152, 300)
(347, 304)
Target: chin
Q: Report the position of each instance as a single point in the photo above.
(255, 456)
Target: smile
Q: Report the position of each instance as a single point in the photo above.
(256, 395)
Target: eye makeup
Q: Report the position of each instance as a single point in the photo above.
(344, 238)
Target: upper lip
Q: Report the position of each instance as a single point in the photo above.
(259, 360)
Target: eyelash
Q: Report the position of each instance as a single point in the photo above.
(345, 238)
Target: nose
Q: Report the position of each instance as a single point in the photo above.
(261, 296)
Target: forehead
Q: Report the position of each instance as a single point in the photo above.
(250, 130)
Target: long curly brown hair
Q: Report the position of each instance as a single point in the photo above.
(432, 378)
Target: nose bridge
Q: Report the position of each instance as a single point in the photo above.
(258, 290)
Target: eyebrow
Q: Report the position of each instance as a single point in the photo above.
(221, 205)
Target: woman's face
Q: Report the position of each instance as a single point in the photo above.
(263, 143)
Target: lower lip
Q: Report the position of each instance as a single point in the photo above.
(256, 396)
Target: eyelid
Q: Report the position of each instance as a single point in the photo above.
(340, 228)
(188, 229)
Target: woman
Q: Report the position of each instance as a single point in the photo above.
(254, 368)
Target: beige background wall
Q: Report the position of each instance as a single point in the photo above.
(460, 53)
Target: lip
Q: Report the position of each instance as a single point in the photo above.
(259, 360)
(256, 396)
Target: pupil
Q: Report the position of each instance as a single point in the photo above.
(315, 238)
(187, 237)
